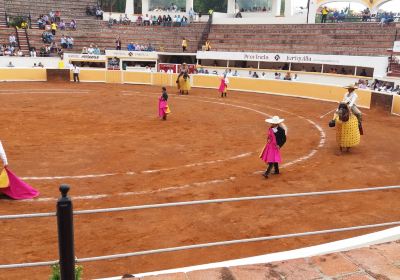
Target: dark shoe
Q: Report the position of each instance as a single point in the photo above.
(276, 173)
(265, 174)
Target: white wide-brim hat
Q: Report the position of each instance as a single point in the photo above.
(275, 120)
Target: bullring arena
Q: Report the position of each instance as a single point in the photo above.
(108, 144)
(151, 195)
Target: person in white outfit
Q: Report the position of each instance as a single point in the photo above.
(3, 155)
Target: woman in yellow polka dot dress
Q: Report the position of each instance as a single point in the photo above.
(347, 131)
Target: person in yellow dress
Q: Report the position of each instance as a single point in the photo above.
(347, 131)
(184, 83)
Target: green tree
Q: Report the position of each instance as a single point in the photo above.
(204, 5)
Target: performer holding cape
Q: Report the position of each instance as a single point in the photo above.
(163, 108)
(11, 185)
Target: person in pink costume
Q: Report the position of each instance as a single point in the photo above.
(223, 86)
(16, 189)
(163, 109)
(276, 138)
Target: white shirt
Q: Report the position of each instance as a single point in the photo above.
(350, 98)
(76, 70)
(3, 155)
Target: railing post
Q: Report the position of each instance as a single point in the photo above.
(66, 235)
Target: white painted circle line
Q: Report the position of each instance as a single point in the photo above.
(125, 194)
(131, 173)
(306, 157)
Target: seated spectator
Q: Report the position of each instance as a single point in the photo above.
(287, 77)
(10, 64)
(295, 78)
(184, 21)
(40, 65)
(60, 52)
(366, 15)
(263, 76)
(154, 20)
(90, 50)
(24, 25)
(236, 74)
(139, 20)
(126, 20)
(255, 75)
(110, 22)
(52, 16)
(70, 42)
(73, 25)
(146, 20)
(99, 13)
(63, 42)
(42, 51)
(41, 23)
(191, 15)
(61, 25)
(32, 52)
(12, 40)
(47, 37)
(84, 50)
(131, 47)
(396, 90)
(96, 50)
(343, 71)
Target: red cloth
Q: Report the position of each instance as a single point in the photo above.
(18, 189)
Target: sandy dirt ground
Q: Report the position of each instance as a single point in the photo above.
(208, 148)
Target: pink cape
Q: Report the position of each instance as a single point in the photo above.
(162, 107)
(271, 151)
(222, 86)
(18, 189)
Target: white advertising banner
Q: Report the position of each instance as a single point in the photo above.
(379, 63)
(134, 54)
(84, 57)
(396, 46)
(366, 61)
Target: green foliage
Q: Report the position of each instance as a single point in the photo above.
(163, 4)
(204, 5)
(55, 272)
(15, 21)
(116, 6)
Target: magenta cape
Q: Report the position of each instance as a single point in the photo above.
(271, 151)
(162, 107)
(222, 86)
(18, 189)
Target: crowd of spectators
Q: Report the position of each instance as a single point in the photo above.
(95, 11)
(365, 16)
(382, 86)
(11, 49)
(53, 21)
(255, 9)
(146, 20)
(138, 47)
(93, 49)
(170, 9)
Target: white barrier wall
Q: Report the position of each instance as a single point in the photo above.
(27, 62)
